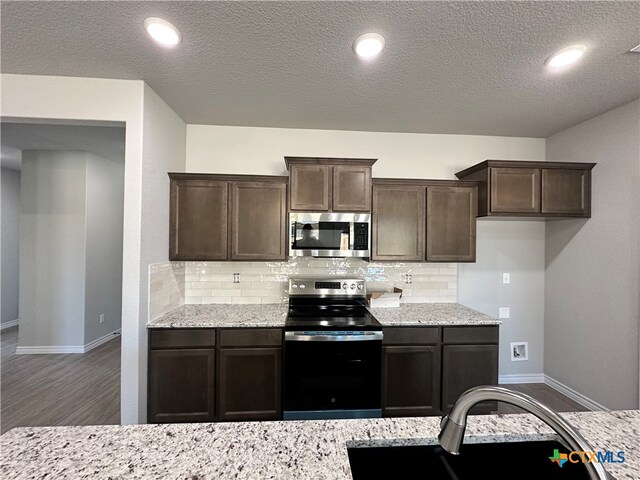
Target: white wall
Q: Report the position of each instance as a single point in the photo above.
(10, 241)
(86, 101)
(164, 137)
(248, 150)
(516, 247)
(103, 272)
(593, 267)
(52, 249)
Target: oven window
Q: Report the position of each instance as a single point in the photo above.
(314, 235)
(332, 375)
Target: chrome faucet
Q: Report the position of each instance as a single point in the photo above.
(453, 425)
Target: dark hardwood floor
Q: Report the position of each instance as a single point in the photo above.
(65, 389)
(543, 393)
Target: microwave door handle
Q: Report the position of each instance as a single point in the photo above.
(352, 235)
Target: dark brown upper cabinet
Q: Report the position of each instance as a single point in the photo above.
(329, 184)
(398, 223)
(532, 189)
(451, 224)
(198, 223)
(222, 217)
(418, 220)
(258, 215)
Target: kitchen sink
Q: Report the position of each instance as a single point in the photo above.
(512, 460)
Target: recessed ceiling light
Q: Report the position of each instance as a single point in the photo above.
(566, 56)
(368, 45)
(163, 32)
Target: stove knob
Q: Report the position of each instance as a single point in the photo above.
(302, 287)
(294, 286)
(345, 286)
(360, 286)
(353, 286)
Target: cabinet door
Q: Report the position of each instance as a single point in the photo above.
(181, 385)
(398, 223)
(515, 190)
(198, 220)
(309, 188)
(249, 384)
(411, 381)
(351, 188)
(451, 224)
(566, 192)
(466, 366)
(258, 216)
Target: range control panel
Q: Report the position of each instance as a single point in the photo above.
(327, 287)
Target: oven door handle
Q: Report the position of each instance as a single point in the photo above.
(319, 337)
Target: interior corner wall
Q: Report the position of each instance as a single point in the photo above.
(164, 146)
(593, 265)
(52, 249)
(103, 274)
(10, 241)
(37, 98)
(513, 246)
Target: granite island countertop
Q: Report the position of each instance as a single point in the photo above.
(284, 450)
(274, 315)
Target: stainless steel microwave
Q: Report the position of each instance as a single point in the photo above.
(329, 234)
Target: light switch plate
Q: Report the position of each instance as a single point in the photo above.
(503, 312)
(506, 278)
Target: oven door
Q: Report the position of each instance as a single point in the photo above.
(331, 375)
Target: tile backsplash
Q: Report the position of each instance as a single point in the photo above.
(172, 284)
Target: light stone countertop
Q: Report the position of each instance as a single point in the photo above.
(284, 450)
(274, 315)
(223, 316)
(431, 314)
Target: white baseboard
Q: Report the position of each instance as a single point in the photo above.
(49, 350)
(99, 341)
(573, 395)
(66, 349)
(522, 378)
(12, 323)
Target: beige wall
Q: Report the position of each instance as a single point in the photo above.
(593, 266)
(249, 150)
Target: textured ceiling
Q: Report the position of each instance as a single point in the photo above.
(106, 142)
(448, 67)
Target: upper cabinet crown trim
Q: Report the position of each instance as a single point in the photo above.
(524, 164)
(228, 178)
(367, 162)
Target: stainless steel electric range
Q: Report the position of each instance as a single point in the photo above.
(332, 351)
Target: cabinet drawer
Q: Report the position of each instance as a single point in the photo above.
(251, 337)
(411, 336)
(184, 338)
(472, 335)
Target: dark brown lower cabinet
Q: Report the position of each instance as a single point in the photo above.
(249, 384)
(466, 366)
(411, 380)
(181, 385)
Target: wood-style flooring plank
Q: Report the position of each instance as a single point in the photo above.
(65, 389)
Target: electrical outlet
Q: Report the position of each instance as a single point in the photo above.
(506, 278)
(407, 278)
(102, 317)
(503, 312)
(236, 278)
